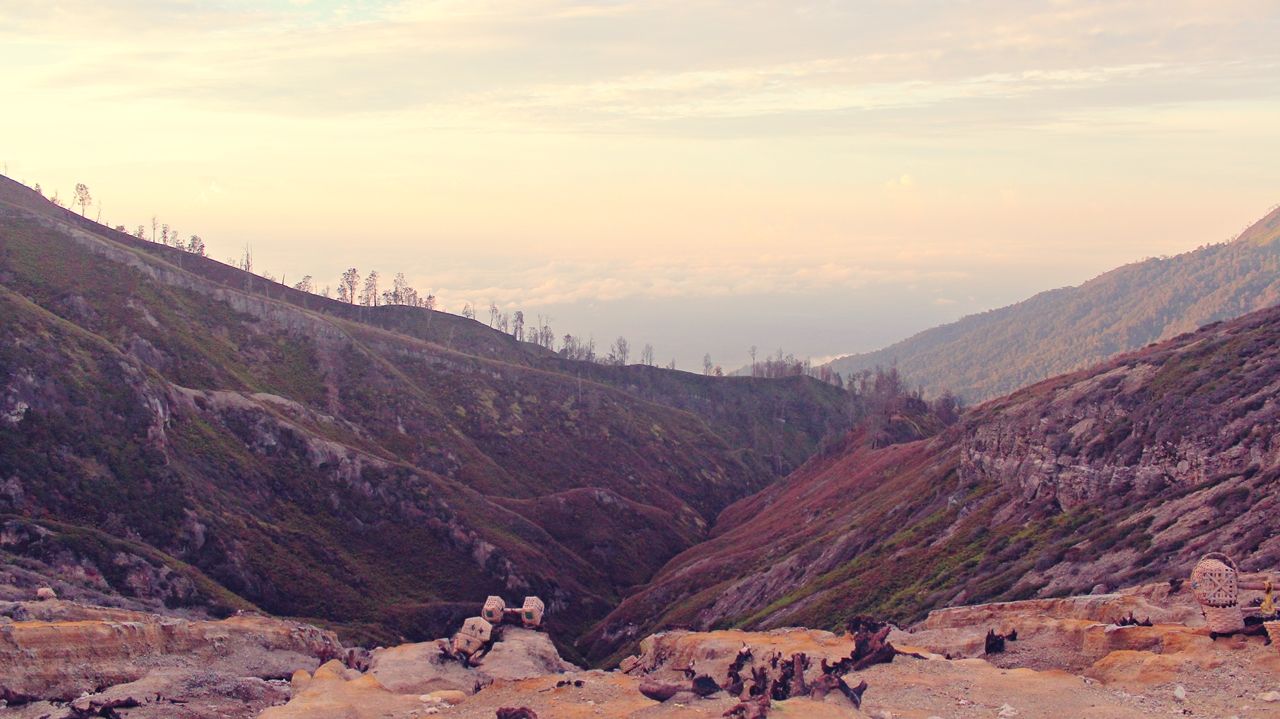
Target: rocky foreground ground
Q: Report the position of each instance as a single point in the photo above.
(1072, 657)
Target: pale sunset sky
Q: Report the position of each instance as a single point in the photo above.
(825, 177)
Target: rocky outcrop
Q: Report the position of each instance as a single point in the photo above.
(98, 658)
(421, 668)
(1062, 657)
(337, 692)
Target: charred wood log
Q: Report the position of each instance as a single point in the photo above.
(661, 691)
(995, 642)
(1132, 621)
(705, 686)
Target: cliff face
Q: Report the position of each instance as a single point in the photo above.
(61, 651)
(1198, 410)
(1124, 472)
(187, 434)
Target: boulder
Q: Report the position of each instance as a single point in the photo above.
(420, 668)
(329, 694)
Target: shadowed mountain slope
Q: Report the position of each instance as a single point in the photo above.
(1124, 472)
(988, 354)
(175, 430)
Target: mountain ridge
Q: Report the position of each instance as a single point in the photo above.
(374, 469)
(987, 354)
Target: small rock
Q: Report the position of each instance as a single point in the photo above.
(446, 696)
(1180, 693)
(1007, 711)
(1269, 697)
(882, 714)
(46, 593)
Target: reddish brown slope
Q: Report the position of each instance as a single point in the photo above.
(1123, 472)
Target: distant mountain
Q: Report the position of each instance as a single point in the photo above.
(175, 430)
(985, 355)
(1122, 473)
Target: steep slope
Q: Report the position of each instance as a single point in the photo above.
(985, 355)
(174, 430)
(1120, 473)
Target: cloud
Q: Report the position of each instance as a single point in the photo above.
(658, 67)
(559, 283)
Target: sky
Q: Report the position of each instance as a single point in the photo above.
(823, 177)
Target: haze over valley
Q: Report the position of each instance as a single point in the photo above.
(596, 358)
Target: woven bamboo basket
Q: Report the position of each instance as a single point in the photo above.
(1273, 631)
(1215, 584)
(1223, 620)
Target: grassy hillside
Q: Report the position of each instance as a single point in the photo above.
(1125, 472)
(985, 355)
(379, 469)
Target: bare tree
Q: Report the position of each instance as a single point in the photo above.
(646, 355)
(347, 286)
(369, 297)
(752, 352)
(493, 314)
(306, 285)
(153, 228)
(706, 363)
(141, 232)
(517, 326)
(246, 260)
(620, 352)
(468, 311)
(39, 191)
(83, 198)
(401, 293)
(195, 246)
(429, 302)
